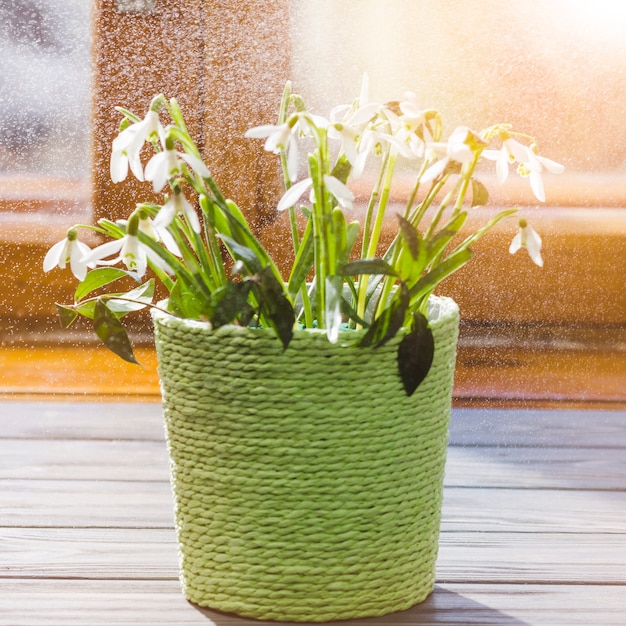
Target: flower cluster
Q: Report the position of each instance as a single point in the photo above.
(378, 292)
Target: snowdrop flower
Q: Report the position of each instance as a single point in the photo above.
(528, 238)
(340, 191)
(167, 164)
(533, 168)
(177, 205)
(529, 163)
(279, 138)
(457, 148)
(128, 249)
(127, 145)
(512, 151)
(71, 251)
(158, 233)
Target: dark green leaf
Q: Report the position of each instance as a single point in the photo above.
(276, 308)
(66, 315)
(368, 266)
(439, 242)
(386, 325)
(341, 170)
(98, 278)
(411, 236)
(242, 253)
(111, 332)
(415, 354)
(229, 302)
(480, 195)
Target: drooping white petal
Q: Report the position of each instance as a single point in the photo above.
(292, 159)
(552, 166)
(502, 167)
(166, 214)
(78, 251)
(261, 132)
(293, 194)
(516, 244)
(341, 192)
(196, 164)
(101, 252)
(435, 170)
(184, 206)
(533, 245)
(536, 184)
(56, 256)
(118, 166)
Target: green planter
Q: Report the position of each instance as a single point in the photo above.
(307, 485)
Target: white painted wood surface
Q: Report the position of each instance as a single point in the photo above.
(533, 532)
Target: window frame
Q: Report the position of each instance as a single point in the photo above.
(581, 284)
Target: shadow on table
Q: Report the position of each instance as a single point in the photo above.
(442, 607)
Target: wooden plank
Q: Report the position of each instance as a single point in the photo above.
(84, 460)
(81, 420)
(83, 504)
(113, 504)
(538, 428)
(125, 553)
(160, 603)
(566, 468)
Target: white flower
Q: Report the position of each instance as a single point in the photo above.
(533, 170)
(128, 250)
(177, 205)
(127, 146)
(279, 138)
(166, 164)
(512, 151)
(529, 163)
(340, 191)
(457, 149)
(71, 251)
(528, 238)
(158, 233)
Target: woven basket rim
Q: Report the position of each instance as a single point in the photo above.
(440, 309)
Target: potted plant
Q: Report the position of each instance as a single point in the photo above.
(306, 408)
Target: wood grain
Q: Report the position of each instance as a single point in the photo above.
(533, 528)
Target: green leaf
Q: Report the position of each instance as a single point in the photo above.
(411, 236)
(134, 300)
(341, 170)
(98, 278)
(184, 303)
(66, 315)
(391, 320)
(242, 253)
(276, 308)
(303, 262)
(480, 195)
(368, 266)
(450, 265)
(229, 302)
(439, 242)
(111, 332)
(415, 354)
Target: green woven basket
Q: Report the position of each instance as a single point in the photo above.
(307, 485)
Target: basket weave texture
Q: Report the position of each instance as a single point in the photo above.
(307, 485)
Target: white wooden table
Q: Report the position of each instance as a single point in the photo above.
(534, 522)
